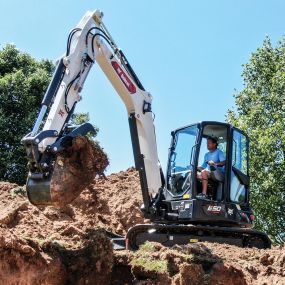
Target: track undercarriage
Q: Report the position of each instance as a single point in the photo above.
(169, 235)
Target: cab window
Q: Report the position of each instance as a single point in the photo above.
(180, 169)
(239, 152)
(217, 131)
(239, 171)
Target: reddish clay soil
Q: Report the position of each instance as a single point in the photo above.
(68, 245)
(75, 168)
(201, 263)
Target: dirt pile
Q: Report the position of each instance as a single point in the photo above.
(67, 245)
(111, 203)
(198, 264)
(50, 245)
(29, 261)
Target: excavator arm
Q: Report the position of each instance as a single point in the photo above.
(90, 43)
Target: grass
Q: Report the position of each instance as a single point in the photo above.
(60, 244)
(18, 191)
(143, 258)
(158, 266)
(147, 247)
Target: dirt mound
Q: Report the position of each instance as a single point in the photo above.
(23, 262)
(29, 261)
(111, 203)
(49, 245)
(118, 201)
(201, 263)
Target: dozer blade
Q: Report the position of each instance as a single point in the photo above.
(73, 169)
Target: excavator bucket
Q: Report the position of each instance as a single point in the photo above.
(73, 169)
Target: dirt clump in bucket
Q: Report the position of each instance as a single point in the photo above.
(75, 168)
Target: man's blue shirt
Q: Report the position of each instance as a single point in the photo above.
(217, 156)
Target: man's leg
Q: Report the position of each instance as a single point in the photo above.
(205, 175)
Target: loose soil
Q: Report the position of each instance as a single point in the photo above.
(68, 245)
(75, 168)
(200, 263)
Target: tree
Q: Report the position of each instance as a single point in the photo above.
(260, 113)
(23, 81)
(80, 118)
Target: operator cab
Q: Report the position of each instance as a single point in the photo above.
(224, 216)
(187, 151)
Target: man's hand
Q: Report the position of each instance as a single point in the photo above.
(211, 163)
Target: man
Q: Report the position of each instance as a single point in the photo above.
(213, 165)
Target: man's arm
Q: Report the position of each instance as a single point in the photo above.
(221, 163)
(222, 159)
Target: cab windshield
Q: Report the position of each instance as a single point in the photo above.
(180, 164)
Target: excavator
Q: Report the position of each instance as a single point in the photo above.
(171, 202)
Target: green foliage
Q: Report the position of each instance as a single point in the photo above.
(18, 191)
(23, 81)
(260, 113)
(143, 258)
(80, 118)
(147, 247)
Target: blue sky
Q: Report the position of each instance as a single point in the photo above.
(187, 54)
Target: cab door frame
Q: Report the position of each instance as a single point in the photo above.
(228, 156)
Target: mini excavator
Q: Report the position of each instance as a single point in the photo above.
(170, 201)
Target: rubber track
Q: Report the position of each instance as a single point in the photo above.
(219, 232)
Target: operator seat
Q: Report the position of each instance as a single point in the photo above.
(215, 185)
